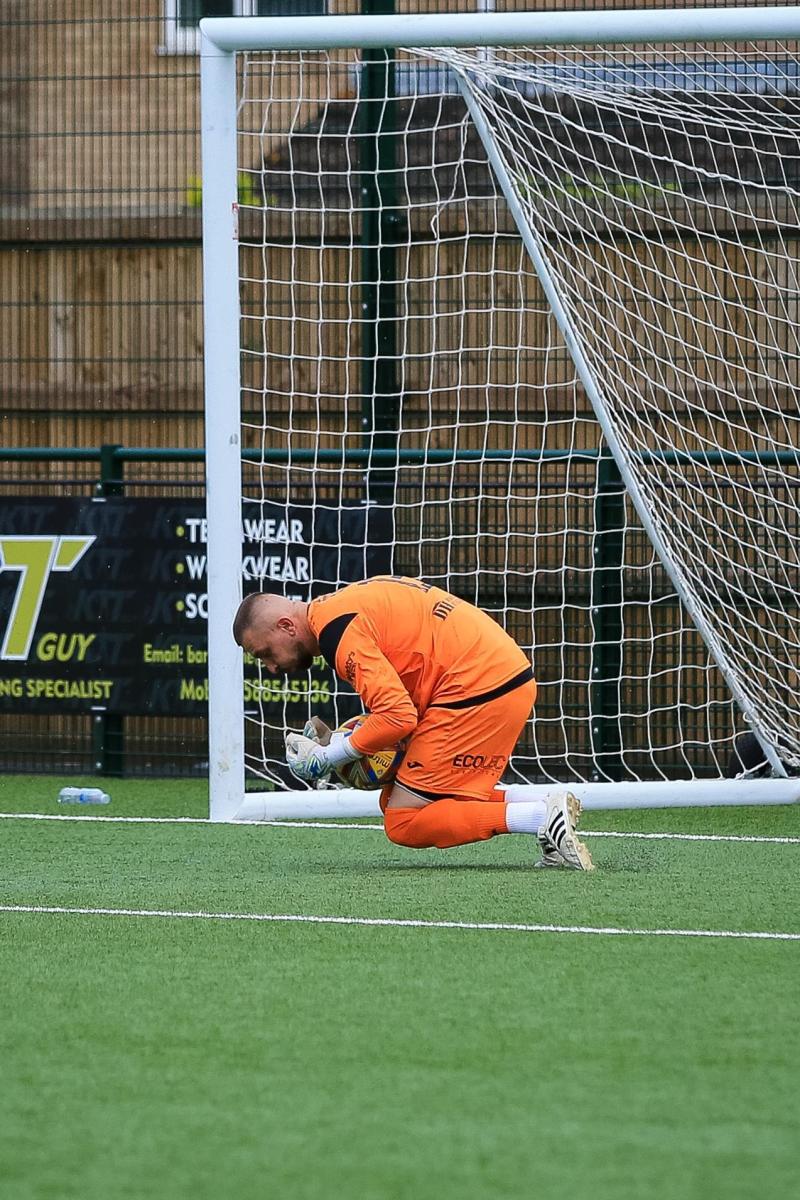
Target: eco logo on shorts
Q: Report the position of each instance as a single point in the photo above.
(34, 557)
(480, 762)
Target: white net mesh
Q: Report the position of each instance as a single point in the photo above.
(663, 185)
(409, 404)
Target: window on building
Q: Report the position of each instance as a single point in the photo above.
(181, 17)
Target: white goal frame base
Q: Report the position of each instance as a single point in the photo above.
(685, 793)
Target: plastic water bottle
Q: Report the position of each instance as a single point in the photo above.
(87, 795)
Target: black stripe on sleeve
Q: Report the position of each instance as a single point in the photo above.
(332, 634)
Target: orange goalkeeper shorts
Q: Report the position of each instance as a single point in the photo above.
(462, 748)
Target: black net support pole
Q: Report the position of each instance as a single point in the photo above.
(607, 624)
(382, 229)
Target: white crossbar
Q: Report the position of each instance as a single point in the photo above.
(500, 29)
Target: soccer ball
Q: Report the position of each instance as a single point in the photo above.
(372, 771)
(748, 757)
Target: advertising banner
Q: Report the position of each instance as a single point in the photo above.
(103, 603)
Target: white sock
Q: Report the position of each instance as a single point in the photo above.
(525, 816)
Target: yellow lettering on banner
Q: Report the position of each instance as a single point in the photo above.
(194, 689)
(69, 689)
(293, 691)
(265, 691)
(63, 647)
(34, 558)
(11, 688)
(154, 654)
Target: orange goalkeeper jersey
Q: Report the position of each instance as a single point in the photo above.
(406, 646)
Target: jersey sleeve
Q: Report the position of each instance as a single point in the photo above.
(392, 715)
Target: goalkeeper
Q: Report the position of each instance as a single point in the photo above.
(437, 673)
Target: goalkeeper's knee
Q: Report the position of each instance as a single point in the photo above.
(445, 823)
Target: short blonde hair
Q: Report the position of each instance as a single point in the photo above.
(246, 614)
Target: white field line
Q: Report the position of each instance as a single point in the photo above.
(693, 837)
(398, 923)
(603, 833)
(182, 821)
(110, 820)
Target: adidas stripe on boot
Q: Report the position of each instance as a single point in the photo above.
(560, 845)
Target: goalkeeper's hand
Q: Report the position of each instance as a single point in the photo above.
(310, 761)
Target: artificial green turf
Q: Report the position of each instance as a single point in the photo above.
(189, 798)
(170, 1058)
(208, 1060)
(129, 797)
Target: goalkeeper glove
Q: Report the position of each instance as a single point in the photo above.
(310, 761)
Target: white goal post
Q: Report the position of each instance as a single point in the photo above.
(515, 308)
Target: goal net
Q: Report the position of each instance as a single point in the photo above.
(523, 322)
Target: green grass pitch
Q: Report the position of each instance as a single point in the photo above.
(212, 1059)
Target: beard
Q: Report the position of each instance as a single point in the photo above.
(303, 659)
